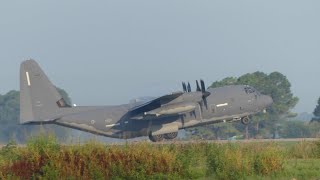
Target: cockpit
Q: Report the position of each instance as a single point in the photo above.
(251, 90)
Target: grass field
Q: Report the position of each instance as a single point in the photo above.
(44, 158)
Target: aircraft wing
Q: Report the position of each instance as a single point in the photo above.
(141, 110)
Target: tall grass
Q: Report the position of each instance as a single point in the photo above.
(44, 158)
(237, 161)
(304, 150)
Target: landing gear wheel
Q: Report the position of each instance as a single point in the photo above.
(171, 135)
(156, 138)
(245, 120)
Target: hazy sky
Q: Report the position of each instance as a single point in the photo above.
(108, 52)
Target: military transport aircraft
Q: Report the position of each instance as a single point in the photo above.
(160, 118)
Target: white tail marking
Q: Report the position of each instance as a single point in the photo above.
(28, 78)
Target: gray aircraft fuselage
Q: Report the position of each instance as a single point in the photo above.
(229, 103)
(163, 116)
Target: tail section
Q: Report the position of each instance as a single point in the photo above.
(39, 99)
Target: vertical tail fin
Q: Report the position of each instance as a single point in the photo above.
(39, 99)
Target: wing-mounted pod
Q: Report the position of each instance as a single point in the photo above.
(172, 109)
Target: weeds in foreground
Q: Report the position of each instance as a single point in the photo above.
(236, 161)
(43, 157)
(305, 150)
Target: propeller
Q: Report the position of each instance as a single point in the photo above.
(203, 86)
(189, 87)
(184, 87)
(205, 93)
(198, 87)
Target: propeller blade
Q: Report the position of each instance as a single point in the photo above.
(205, 93)
(203, 86)
(201, 104)
(198, 87)
(189, 87)
(205, 102)
(184, 87)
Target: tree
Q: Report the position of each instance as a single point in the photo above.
(295, 129)
(225, 82)
(9, 119)
(279, 88)
(9, 108)
(65, 95)
(316, 113)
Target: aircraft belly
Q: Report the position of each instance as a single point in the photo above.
(136, 128)
(164, 129)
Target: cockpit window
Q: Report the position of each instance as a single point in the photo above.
(249, 90)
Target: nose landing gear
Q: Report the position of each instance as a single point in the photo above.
(245, 120)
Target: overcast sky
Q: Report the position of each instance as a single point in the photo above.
(108, 52)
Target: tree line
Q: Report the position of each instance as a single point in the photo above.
(10, 115)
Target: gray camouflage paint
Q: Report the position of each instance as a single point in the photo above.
(41, 103)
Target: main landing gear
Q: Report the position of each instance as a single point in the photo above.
(156, 138)
(171, 135)
(161, 137)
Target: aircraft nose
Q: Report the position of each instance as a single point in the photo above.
(266, 101)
